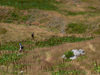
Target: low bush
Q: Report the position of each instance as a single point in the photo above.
(69, 54)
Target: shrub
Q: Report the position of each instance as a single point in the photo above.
(69, 54)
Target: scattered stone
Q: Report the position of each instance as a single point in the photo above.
(76, 53)
(63, 56)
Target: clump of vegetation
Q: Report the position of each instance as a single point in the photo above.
(2, 30)
(97, 67)
(8, 58)
(69, 54)
(76, 28)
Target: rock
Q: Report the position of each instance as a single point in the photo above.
(74, 57)
(63, 56)
(82, 52)
(76, 53)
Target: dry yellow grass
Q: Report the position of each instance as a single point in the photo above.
(47, 57)
(22, 32)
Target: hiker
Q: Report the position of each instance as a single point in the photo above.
(32, 35)
(21, 47)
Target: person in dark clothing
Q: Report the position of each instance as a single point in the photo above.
(32, 35)
(21, 47)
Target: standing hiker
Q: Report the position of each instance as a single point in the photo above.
(21, 47)
(32, 35)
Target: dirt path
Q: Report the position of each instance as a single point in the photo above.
(91, 46)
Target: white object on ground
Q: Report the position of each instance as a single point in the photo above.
(21, 71)
(76, 52)
(74, 57)
(63, 56)
(82, 52)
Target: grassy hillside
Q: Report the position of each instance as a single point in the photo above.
(59, 26)
(28, 12)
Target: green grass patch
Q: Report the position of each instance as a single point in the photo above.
(76, 28)
(70, 72)
(62, 65)
(27, 4)
(53, 41)
(29, 45)
(75, 13)
(91, 7)
(62, 69)
(8, 58)
(81, 58)
(96, 68)
(68, 54)
(15, 16)
(12, 46)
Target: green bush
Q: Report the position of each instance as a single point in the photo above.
(69, 54)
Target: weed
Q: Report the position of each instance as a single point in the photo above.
(97, 67)
(69, 54)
